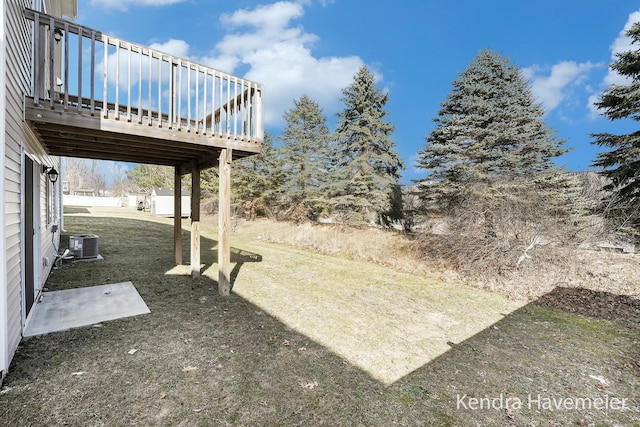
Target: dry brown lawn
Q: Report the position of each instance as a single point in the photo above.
(314, 335)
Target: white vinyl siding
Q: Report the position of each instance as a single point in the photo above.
(4, 354)
(18, 136)
(17, 77)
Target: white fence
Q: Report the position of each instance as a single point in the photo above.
(90, 201)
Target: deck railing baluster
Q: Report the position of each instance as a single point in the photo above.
(197, 117)
(235, 108)
(229, 107)
(140, 86)
(36, 60)
(213, 103)
(79, 73)
(159, 90)
(117, 117)
(149, 89)
(105, 87)
(204, 100)
(188, 97)
(129, 82)
(179, 95)
(93, 72)
(52, 40)
(172, 77)
(221, 107)
(66, 67)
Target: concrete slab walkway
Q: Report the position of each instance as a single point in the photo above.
(74, 308)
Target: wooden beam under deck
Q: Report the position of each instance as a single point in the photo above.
(177, 217)
(224, 213)
(79, 134)
(195, 222)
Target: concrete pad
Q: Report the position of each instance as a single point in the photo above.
(75, 308)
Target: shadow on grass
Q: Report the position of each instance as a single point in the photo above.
(76, 210)
(545, 354)
(148, 244)
(205, 360)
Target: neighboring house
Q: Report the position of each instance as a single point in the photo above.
(162, 202)
(69, 90)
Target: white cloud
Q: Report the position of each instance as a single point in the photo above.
(125, 4)
(264, 46)
(177, 48)
(278, 55)
(591, 104)
(553, 86)
(621, 44)
(173, 47)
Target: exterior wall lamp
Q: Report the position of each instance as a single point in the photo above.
(57, 34)
(52, 173)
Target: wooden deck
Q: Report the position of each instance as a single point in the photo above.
(99, 97)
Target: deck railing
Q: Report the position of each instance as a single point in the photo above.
(92, 73)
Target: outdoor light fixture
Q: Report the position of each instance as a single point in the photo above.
(52, 173)
(57, 34)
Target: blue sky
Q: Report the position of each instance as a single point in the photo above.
(416, 48)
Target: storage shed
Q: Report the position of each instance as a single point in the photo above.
(162, 202)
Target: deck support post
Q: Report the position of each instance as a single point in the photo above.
(195, 222)
(177, 217)
(224, 212)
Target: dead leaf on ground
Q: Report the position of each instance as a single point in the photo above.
(189, 368)
(308, 385)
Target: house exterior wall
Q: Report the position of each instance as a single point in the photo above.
(19, 141)
(4, 329)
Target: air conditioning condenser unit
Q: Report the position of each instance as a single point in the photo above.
(84, 246)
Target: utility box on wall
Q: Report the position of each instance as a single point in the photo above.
(84, 246)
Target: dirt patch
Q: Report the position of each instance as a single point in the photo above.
(598, 304)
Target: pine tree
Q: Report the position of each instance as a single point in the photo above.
(492, 173)
(490, 128)
(257, 181)
(304, 150)
(622, 162)
(367, 167)
(146, 177)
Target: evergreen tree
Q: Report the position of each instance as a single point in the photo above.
(146, 177)
(209, 184)
(490, 128)
(622, 163)
(367, 167)
(492, 173)
(304, 151)
(257, 181)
